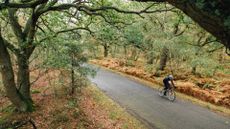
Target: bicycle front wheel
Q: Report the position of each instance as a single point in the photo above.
(171, 95)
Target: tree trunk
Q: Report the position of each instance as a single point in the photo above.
(114, 51)
(133, 53)
(150, 60)
(164, 57)
(23, 80)
(106, 50)
(150, 57)
(221, 56)
(125, 51)
(72, 75)
(194, 70)
(137, 55)
(9, 81)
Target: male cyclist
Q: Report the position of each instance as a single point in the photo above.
(167, 81)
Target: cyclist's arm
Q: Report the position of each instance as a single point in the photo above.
(172, 83)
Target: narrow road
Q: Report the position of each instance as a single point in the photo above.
(157, 112)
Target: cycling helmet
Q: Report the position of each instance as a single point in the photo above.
(171, 77)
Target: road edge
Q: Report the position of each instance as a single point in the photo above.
(217, 109)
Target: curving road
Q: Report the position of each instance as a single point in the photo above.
(157, 112)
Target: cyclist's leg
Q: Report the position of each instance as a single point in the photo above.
(166, 85)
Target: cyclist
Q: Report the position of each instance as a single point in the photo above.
(167, 81)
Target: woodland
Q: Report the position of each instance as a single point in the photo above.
(46, 44)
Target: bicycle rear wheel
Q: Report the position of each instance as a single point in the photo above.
(171, 95)
(161, 91)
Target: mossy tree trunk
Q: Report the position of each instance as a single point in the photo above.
(164, 58)
(72, 75)
(106, 49)
(17, 97)
(23, 76)
(18, 93)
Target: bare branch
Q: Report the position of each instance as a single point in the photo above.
(31, 4)
(46, 24)
(40, 74)
(93, 11)
(73, 29)
(176, 33)
(146, 10)
(215, 49)
(40, 28)
(64, 31)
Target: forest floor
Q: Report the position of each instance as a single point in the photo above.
(213, 90)
(88, 108)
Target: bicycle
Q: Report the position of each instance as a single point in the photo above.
(170, 93)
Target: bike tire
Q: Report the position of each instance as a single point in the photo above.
(161, 91)
(171, 95)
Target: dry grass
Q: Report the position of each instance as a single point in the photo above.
(106, 113)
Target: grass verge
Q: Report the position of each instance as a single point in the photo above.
(106, 113)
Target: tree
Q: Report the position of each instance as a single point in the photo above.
(134, 38)
(30, 31)
(212, 15)
(164, 58)
(22, 43)
(66, 53)
(8, 79)
(106, 35)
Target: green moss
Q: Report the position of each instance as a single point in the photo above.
(72, 103)
(2, 120)
(35, 92)
(8, 109)
(30, 106)
(76, 114)
(213, 7)
(227, 22)
(200, 4)
(113, 115)
(217, 12)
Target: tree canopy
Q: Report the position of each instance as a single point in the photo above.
(212, 15)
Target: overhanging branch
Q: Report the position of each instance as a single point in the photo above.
(64, 31)
(31, 4)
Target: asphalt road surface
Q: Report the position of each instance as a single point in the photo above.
(155, 111)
